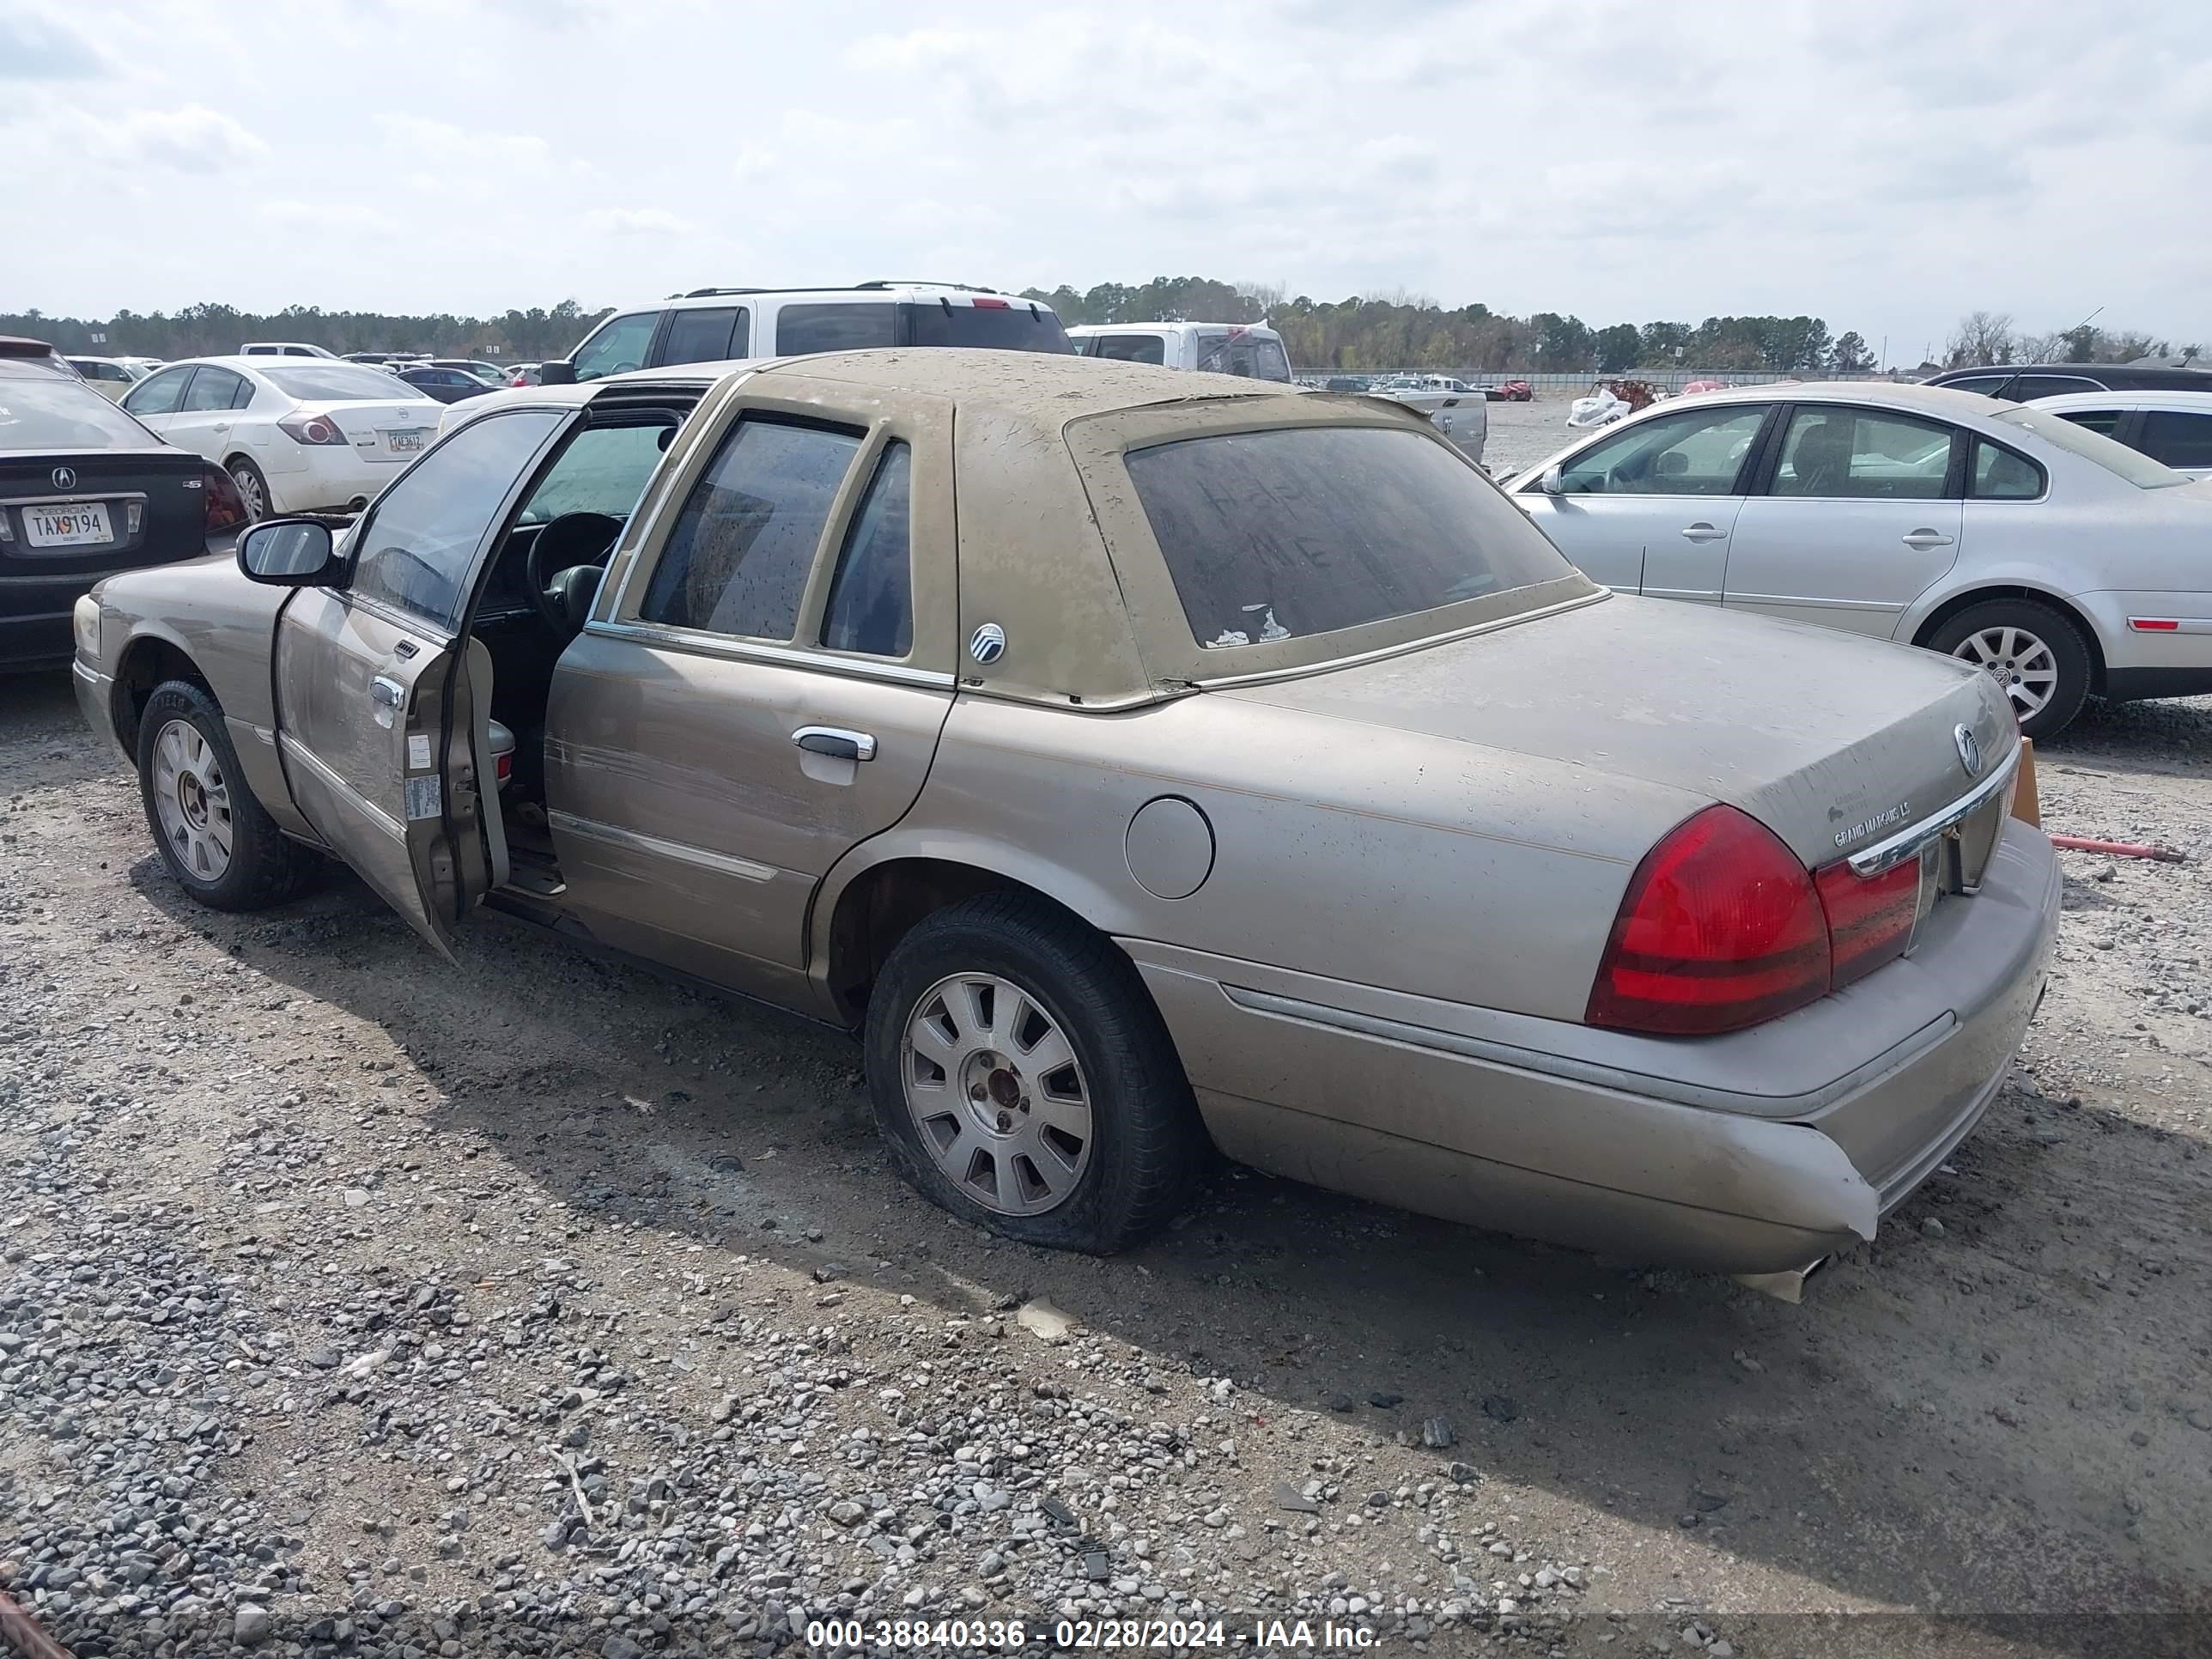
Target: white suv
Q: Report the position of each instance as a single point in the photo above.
(1249, 349)
(715, 325)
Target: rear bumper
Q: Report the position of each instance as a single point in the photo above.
(331, 479)
(1713, 1153)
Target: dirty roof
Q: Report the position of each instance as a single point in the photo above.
(1046, 387)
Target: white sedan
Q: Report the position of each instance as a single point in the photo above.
(2173, 427)
(297, 434)
(2066, 564)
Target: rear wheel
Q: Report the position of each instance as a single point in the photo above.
(252, 488)
(1024, 1080)
(2037, 656)
(218, 842)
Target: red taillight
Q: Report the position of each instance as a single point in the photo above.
(1871, 917)
(504, 767)
(983, 303)
(1721, 928)
(311, 429)
(219, 501)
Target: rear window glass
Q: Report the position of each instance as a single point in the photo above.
(1127, 348)
(318, 382)
(45, 411)
(1237, 351)
(2062, 433)
(1307, 530)
(1014, 327)
(834, 327)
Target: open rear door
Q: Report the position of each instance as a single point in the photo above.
(377, 742)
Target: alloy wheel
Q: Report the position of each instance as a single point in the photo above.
(192, 797)
(997, 1094)
(249, 489)
(2023, 665)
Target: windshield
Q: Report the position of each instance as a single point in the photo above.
(2137, 468)
(605, 470)
(45, 411)
(321, 381)
(1014, 327)
(1307, 530)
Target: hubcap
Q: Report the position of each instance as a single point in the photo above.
(192, 799)
(2023, 665)
(997, 1093)
(249, 487)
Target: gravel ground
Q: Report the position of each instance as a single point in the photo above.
(354, 1303)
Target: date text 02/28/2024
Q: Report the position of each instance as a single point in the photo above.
(1070, 1635)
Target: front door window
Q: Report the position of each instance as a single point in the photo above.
(1696, 453)
(416, 552)
(617, 348)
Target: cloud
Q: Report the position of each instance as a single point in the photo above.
(637, 221)
(193, 139)
(39, 49)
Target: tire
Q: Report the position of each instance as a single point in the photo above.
(194, 794)
(252, 486)
(2037, 654)
(1142, 1146)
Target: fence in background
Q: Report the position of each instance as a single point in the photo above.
(1580, 380)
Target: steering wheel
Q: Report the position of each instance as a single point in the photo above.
(564, 565)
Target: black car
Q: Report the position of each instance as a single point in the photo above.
(85, 491)
(2024, 383)
(447, 386)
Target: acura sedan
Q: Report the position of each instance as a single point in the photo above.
(85, 491)
(2064, 565)
(296, 435)
(1134, 758)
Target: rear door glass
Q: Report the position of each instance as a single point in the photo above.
(805, 328)
(2177, 437)
(1307, 530)
(2001, 476)
(871, 606)
(2032, 386)
(1855, 454)
(738, 559)
(1130, 348)
(2106, 421)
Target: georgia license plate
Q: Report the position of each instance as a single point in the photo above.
(74, 525)
(408, 442)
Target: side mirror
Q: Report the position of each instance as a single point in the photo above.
(288, 553)
(559, 372)
(1551, 483)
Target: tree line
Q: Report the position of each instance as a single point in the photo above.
(208, 331)
(1362, 333)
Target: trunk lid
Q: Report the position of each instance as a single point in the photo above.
(1833, 741)
(394, 431)
(70, 512)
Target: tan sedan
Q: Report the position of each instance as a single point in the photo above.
(1135, 760)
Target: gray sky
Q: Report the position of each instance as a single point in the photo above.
(1886, 164)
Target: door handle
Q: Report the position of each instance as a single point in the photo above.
(390, 693)
(1702, 531)
(222, 425)
(1923, 539)
(835, 741)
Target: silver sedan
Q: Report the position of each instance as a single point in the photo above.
(2064, 565)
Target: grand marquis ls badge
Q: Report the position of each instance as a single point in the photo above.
(1970, 751)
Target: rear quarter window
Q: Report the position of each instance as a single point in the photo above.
(1278, 534)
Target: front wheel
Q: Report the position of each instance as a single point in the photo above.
(1024, 1080)
(2038, 658)
(219, 844)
